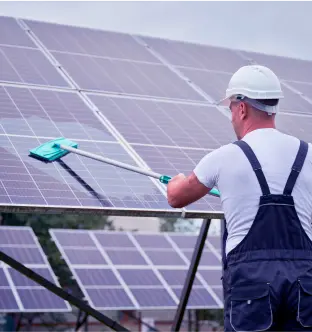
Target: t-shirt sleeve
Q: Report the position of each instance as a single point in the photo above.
(207, 170)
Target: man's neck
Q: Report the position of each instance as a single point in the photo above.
(254, 127)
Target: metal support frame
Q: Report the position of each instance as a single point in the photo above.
(81, 319)
(61, 293)
(191, 275)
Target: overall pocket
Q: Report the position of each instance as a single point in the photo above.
(250, 308)
(304, 314)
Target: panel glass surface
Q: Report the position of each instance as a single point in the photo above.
(121, 76)
(288, 69)
(170, 124)
(72, 39)
(22, 293)
(36, 112)
(74, 180)
(124, 282)
(29, 66)
(196, 55)
(299, 126)
(174, 161)
(12, 34)
(199, 297)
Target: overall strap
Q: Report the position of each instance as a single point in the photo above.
(255, 165)
(296, 167)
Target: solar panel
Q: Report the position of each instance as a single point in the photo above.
(30, 66)
(30, 117)
(297, 125)
(288, 69)
(19, 293)
(149, 273)
(170, 124)
(12, 34)
(182, 54)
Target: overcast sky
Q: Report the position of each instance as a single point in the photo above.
(283, 28)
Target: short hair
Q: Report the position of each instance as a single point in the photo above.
(268, 102)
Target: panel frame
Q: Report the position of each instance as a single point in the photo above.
(6, 268)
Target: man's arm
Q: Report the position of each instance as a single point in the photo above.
(182, 190)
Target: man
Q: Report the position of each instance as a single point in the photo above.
(265, 182)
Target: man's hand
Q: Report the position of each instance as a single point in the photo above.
(182, 190)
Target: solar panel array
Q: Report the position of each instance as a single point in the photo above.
(140, 271)
(141, 100)
(17, 292)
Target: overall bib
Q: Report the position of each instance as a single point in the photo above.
(267, 279)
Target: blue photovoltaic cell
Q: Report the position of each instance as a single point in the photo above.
(121, 76)
(7, 300)
(147, 282)
(24, 255)
(153, 298)
(126, 257)
(16, 236)
(84, 256)
(74, 181)
(219, 292)
(35, 112)
(71, 39)
(30, 66)
(199, 297)
(196, 55)
(114, 240)
(299, 126)
(215, 241)
(109, 298)
(285, 68)
(21, 244)
(12, 34)
(40, 300)
(207, 258)
(186, 242)
(139, 277)
(152, 241)
(75, 239)
(212, 277)
(97, 277)
(20, 280)
(165, 257)
(162, 123)
(177, 277)
(174, 161)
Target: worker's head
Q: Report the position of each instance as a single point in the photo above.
(253, 96)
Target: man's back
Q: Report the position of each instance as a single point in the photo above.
(237, 182)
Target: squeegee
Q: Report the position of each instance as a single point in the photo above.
(59, 147)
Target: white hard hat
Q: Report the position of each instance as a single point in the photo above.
(254, 82)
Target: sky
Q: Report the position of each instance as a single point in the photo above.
(281, 28)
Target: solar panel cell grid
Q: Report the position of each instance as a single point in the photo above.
(196, 55)
(21, 244)
(299, 126)
(119, 76)
(74, 181)
(150, 122)
(37, 112)
(285, 68)
(12, 33)
(148, 284)
(30, 66)
(86, 41)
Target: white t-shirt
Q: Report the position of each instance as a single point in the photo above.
(229, 170)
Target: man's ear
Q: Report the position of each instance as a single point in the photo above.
(243, 111)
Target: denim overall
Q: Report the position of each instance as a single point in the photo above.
(267, 278)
